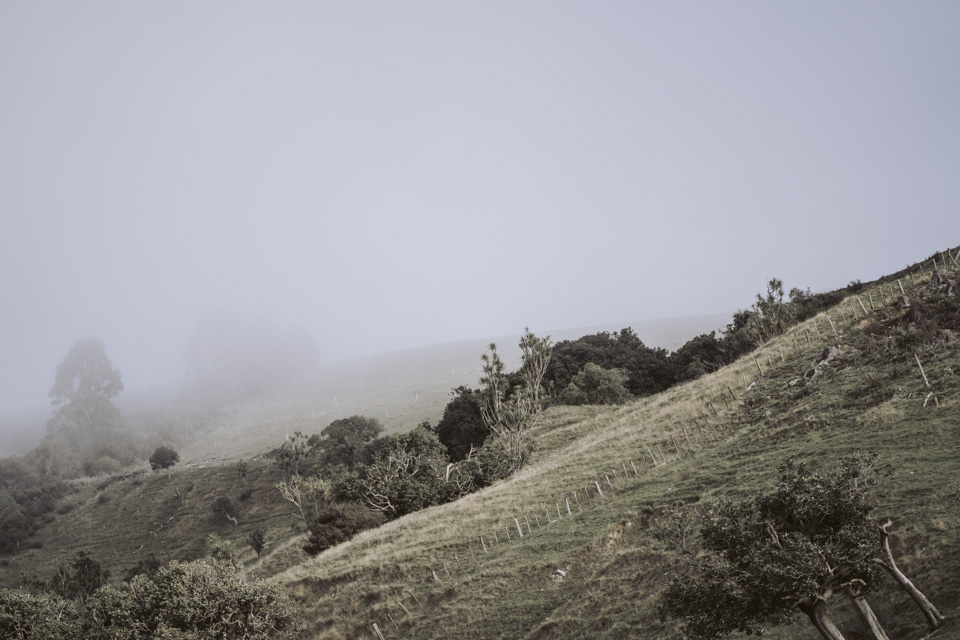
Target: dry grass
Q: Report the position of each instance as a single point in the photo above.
(709, 446)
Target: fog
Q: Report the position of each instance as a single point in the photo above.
(386, 175)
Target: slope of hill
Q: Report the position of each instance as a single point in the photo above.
(169, 514)
(399, 388)
(587, 564)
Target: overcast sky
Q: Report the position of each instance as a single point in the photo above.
(391, 174)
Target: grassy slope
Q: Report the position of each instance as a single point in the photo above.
(126, 521)
(399, 388)
(141, 516)
(433, 564)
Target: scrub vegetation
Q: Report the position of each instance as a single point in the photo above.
(791, 475)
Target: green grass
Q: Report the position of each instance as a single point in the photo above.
(869, 399)
(123, 523)
(427, 575)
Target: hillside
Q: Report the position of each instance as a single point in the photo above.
(169, 515)
(429, 575)
(400, 388)
(588, 564)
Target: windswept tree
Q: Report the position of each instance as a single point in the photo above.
(792, 549)
(83, 387)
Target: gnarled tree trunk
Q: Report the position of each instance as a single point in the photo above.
(867, 616)
(816, 610)
(933, 615)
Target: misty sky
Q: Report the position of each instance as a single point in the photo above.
(390, 174)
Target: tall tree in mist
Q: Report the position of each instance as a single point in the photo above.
(84, 385)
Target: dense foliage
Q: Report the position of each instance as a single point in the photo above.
(647, 370)
(163, 458)
(26, 496)
(461, 429)
(596, 385)
(338, 523)
(345, 441)
(789, 550)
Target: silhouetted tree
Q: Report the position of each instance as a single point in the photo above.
(256, 541)
(163, 458)
(462, 427)
(84, 384)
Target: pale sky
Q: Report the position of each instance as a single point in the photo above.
(391, 174)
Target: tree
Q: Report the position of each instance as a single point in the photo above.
(647, 370)
(303, 492)
(340, 522)
(163, 458)
(79, 579)
(344, 441)
(190, 601)
(220, 550)
(256, 541)
(462, 429)
(407, 473)
(82, 390)
(223, 507)
(242, 470)
(698, 356)
(771, 315)
(596, 385)
(535, 354)
(789, 550)
(512, 416)
(291, 453)
(27, 616)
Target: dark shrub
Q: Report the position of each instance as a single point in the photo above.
(163, 457)
(340, 522)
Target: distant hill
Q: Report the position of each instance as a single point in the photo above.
(400, 388)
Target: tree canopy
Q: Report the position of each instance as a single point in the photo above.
(163, 458)
(83, 387)
(344, 441)
(788, 550)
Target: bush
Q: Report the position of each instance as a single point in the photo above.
(191, 600)
(340, 522)
(27, 616)
(462, 426)
(495, 462)
(596, 385)
(163, 458)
